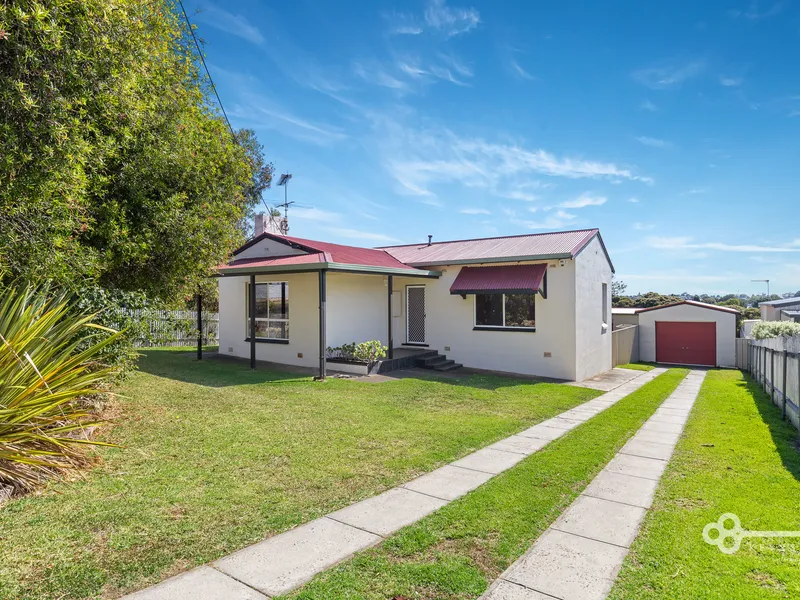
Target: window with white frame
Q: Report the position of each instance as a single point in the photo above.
(505, 311)
(272, 310)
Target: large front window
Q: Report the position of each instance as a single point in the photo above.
(513, 311)
(272, 311)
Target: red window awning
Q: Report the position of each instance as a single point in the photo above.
(509, 279)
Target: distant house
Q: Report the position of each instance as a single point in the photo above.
(787, 309)
(535, 304)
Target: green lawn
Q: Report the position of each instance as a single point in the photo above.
(638, 366)
(214, 457)
(736, 456)
(456, 552)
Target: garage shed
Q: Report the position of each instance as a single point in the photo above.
(688, 333)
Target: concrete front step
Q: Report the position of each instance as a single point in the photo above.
(438, 362)
(448, 365)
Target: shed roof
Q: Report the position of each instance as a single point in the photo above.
(534, 246)
(727, 309)
(782, 302)
(624, 310)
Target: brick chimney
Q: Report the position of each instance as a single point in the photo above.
(268, 224)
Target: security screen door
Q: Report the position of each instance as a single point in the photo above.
(415, 314)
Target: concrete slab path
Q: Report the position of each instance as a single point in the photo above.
(605, 382)
(286, 561)
(579, 556)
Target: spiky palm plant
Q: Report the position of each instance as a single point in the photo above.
(48, 367)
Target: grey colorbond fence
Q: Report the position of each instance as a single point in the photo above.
(176, 327)
(775, 364)
(625, 344)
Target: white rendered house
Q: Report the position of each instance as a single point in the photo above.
(534, 304)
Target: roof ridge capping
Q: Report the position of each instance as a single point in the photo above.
(593, 230)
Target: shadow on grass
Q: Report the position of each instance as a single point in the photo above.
(783, 433)
(214, 370)
(224, 371)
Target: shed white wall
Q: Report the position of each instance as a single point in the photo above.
(726, 330)
(356, 312)
(593, 341)
(450, 321)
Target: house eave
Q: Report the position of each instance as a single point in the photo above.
(499, 259)
(327, 266)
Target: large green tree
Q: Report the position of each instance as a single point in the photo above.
(115, 166)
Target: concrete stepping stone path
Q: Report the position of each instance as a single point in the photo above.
(286, 561)
(579, 556)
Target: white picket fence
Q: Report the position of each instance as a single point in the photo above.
(175, 327)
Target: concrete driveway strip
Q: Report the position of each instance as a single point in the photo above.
(286, 561)
(579, 556)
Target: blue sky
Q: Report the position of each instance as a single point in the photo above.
(673, 127)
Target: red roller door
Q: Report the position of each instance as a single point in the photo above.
(686, 343)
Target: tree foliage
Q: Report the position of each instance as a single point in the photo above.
(114, 165)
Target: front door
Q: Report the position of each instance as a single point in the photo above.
(415, 314)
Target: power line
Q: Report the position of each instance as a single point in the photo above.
(205, 66)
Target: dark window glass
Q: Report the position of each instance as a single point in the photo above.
(272, 311)
(489, 310)
(520, 310)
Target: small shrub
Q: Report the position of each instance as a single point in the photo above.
(366, 352)
(49, 365)
(369, 352)
(773, 329)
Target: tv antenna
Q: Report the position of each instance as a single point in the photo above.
(284, 181)
(753, 281)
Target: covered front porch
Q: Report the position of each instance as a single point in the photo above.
(287, 310)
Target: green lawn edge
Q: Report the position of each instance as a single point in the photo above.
(459, 550)
(637, 366)
(736, 455)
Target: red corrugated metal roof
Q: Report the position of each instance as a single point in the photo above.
(532, 247)
(298, 259)
(351, 255)
(508, 279)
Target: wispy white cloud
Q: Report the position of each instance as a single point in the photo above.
(518, 195)
(474, 211)
(445, 67)
(585, 199)
(261, 111)
(376, 74)
(680, 276)
(696, 190)
(643, 226)
(648, 106)
(366, 236)
(555, 221)
(633, 200)
(668, 76)
(519, 72)
(653, 142)
(451, 20)
(421, 158)
(754, 10)
(234, 24)
(314, 214)
(731, 81)
(686, 243)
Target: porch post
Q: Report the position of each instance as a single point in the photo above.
(389, 319)
(252, 294)
(199, 327)
(322, 310)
